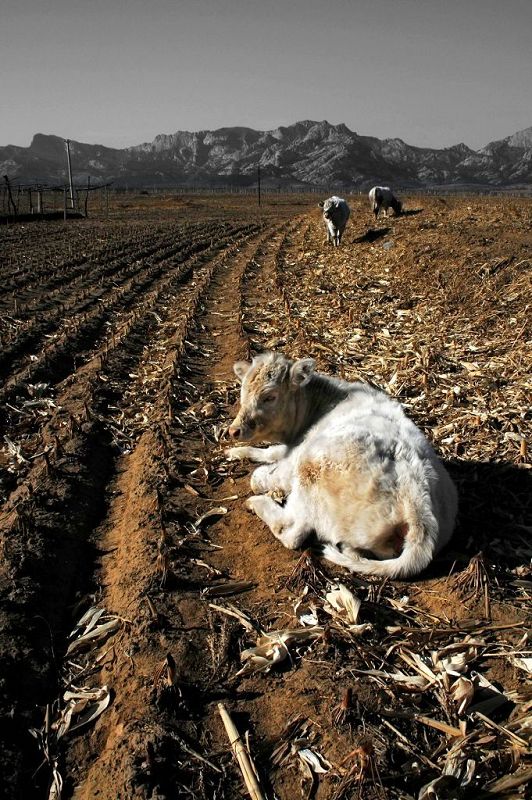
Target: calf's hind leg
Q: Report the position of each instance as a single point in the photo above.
(272, 477)
(279, 520)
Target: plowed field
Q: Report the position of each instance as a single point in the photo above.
(117, 343)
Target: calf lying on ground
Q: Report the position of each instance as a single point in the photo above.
(353, 468)
(383, 197)
(335, 213)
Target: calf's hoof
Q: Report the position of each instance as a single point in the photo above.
(252, 502)
(235, 453)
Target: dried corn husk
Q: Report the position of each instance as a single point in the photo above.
(522, 663)
(273, 647)
(212, 512)
(344, 606)
(83, 706)
(411, 682)
(317, 763)
(227, 588)
(95, 635)
(462, 692)
(56, 788)
(342, 601)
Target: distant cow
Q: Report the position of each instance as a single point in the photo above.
(353, 468)
(335, 213)
(383, 197)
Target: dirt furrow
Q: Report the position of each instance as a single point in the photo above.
(134, 314)
(128, 276)
(72, 479)
(141, 534)
(39, 274)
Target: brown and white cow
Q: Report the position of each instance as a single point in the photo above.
(353, 468)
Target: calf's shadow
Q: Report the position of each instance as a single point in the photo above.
(494, 516)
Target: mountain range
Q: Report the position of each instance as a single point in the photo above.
(303, 155)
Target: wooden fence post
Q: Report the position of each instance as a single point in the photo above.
(11, 202)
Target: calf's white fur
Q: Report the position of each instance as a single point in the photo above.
(336, 213)
(353, 467)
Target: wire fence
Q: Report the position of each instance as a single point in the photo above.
(24, 201)
(33, 200)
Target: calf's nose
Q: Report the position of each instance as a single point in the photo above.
(234, 432)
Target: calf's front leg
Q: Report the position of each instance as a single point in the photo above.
(262, 455)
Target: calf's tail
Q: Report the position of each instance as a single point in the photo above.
(412, 560)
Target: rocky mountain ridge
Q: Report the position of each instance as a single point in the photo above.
(303, 155)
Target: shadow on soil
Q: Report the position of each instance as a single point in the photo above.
(371, 235)
(11, 219)
(48, 565)
(410, 212)
(494, 516)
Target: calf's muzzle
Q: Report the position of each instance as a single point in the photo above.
(242, 429)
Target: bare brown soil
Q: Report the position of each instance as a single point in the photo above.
(117, 343)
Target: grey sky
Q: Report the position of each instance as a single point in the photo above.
(118, 72)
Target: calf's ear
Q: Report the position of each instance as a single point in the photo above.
(321, 204)
(301, 371)
(241, 369)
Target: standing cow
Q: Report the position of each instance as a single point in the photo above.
(353, 468)
(335, 213)
(383, 197)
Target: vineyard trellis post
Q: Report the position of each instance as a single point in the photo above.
(67, 143)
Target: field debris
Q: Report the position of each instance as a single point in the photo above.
(212, 512)
(228, 588)
(116, 391)
(274, 646)
(80, 705)
(344, 607)
(245, 762)
(87, 632)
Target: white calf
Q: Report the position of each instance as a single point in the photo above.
(354, 469)
(335, 214)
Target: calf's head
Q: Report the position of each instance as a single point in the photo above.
(268, 396)
(397, 207)
(328, 208)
